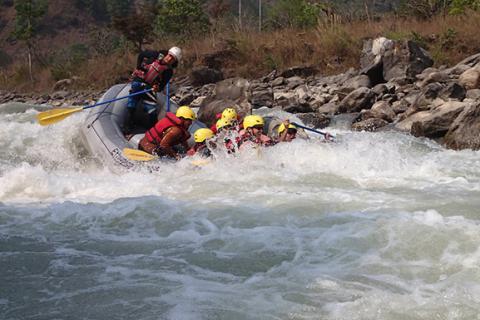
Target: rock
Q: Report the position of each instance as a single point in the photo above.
(406, 124)
(62, 94)
(405, 60)
(436, 76)
(473, 94)
(359, 99)
(380, 90)
(400, 106)
(314, 120)
(437, 123)
(300, 71)
(371, 125)
(204, 75)
(299, 108)
(63, 84)
(423, 101)
(383, 110)
(184, 95)
(278, 82)
(262, 98)
(470, 79)
(285, 99)
(294, 82)
(356, 82)
(371, 59)
(329, 108)
(464, 133)
(227, 93)
(471, 61)
(453, 91)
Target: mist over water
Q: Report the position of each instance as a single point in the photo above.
(377, 226)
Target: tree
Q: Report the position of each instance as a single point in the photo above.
(293, 13)
(137, 27)
(181, 17)
(28, 14)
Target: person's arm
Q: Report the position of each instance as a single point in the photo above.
(171, 138)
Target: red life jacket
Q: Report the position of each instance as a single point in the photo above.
(153, 71)
(155, 134)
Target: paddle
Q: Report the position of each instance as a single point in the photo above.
(55, 115)
(327, 135)
(139, 155)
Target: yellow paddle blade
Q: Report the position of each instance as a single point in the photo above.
(137, 155)
(46, 118)
(200, 162)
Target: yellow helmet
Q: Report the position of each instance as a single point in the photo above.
(202, 134)
(229, 113)
(252, 121)
(281, 128)
(222, 122)
(185, 112)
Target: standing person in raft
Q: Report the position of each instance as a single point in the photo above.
(168, 133)
(154, 70)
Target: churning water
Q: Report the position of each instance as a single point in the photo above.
(378, 226)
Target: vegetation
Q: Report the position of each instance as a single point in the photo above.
(26, 23)
(295, 32)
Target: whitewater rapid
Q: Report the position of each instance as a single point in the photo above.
(377, 226)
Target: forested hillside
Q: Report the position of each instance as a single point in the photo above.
(44, 41)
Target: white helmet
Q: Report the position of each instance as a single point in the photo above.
(176, 52)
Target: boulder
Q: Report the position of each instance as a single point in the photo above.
(470, 79)
(300, 71)
(262, 98)
(361, 98)
(406, 124)
(383, 110)
(204, 75)
(453, 91)
(464, 133)
(356, 82)
(314, 120)
(437, 123)
(405, 60)
(329, 108)
(227, 93)
(371, 125)
(473, 94)
(371, 59)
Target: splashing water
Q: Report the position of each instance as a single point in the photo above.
(378, 226)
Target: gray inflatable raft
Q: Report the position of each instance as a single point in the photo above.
(102, 129)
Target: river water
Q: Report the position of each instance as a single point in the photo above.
(377, 226)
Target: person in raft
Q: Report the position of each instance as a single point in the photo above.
(201, 137)
(228, 114)
(168, 133)
(286, 132)
(253, 131)
(154, 70)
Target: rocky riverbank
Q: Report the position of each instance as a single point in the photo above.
(396, 88)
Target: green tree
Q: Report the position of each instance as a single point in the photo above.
(181, 17)
(293, 13)
(28, 14)
(137, 27)
(459, 6)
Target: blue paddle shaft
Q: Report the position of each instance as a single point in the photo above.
(116, 99)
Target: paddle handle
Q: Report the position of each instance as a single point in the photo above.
(116, 99)
(309, 129)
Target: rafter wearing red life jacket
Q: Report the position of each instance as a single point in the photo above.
(155, 134)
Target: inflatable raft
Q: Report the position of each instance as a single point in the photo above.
(102, 129)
